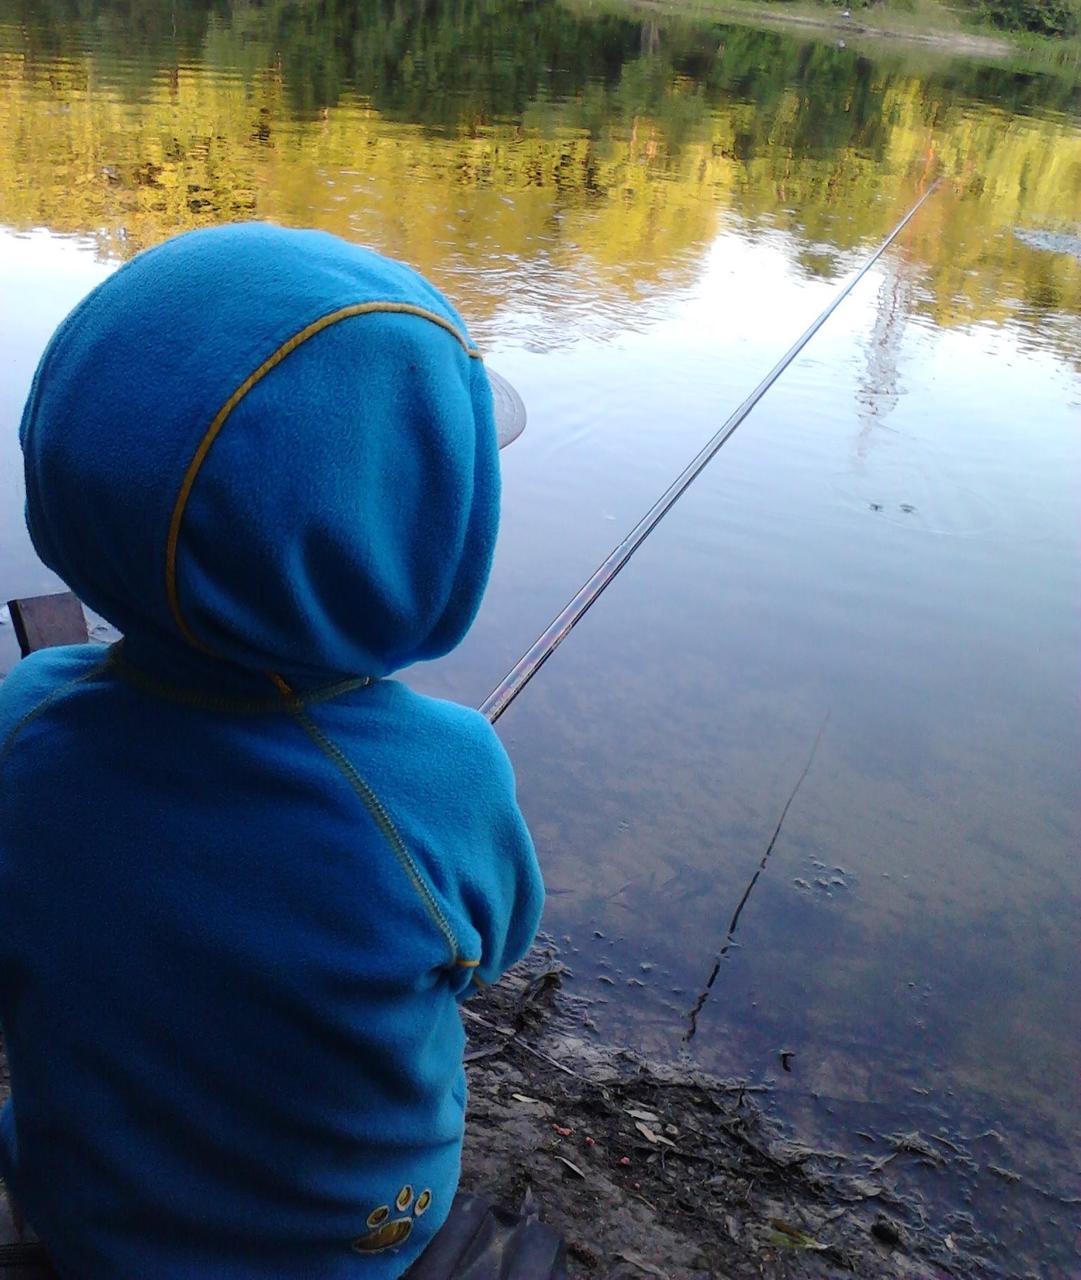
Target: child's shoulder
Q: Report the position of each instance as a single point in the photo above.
(444, 741)
(41, 678)
(442, 726)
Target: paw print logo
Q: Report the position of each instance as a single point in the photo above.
(385, 1232)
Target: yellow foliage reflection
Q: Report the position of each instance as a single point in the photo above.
(581, 208)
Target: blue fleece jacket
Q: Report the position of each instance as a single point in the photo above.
(244, 876)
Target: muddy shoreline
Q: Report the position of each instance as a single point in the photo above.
(650, 1169)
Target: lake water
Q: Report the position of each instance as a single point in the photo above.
(637, 218)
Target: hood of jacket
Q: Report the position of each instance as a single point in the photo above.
(269, 451)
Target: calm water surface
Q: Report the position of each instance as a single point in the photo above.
(637, 219)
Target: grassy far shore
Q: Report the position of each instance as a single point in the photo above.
(931, 24)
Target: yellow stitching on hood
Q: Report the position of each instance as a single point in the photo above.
(214, 430)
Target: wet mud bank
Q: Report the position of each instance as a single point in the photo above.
(652, 1169)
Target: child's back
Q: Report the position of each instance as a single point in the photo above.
(242, 876)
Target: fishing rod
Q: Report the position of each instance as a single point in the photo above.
(575, 609)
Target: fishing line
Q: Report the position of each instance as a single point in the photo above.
(730, 937)
(572, 613)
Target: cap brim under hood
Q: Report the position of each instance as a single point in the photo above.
(510, 415)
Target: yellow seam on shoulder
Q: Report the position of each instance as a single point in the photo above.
(213, 431)
(282, 686)
(41, 707)
(146, 683)
(468, 964)
(383, 822)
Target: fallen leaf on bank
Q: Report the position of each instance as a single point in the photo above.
(571, 1166)
(864, 1187)
(529, 1102)
(790, 1237)
(650, 1136)
(913, 1144)
(647, 1116)
(477, 1054)
(636, 1261)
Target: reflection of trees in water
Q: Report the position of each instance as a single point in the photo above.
(484, 139)
(879, 386)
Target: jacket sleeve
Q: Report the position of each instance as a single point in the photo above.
(508, 914)
(486, 865)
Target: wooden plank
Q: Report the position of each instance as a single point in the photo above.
(25, 1262)
(20, 1258)
(43, 622)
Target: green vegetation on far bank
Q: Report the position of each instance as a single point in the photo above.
(1031, 35)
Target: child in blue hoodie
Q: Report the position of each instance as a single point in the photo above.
(245, 877)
